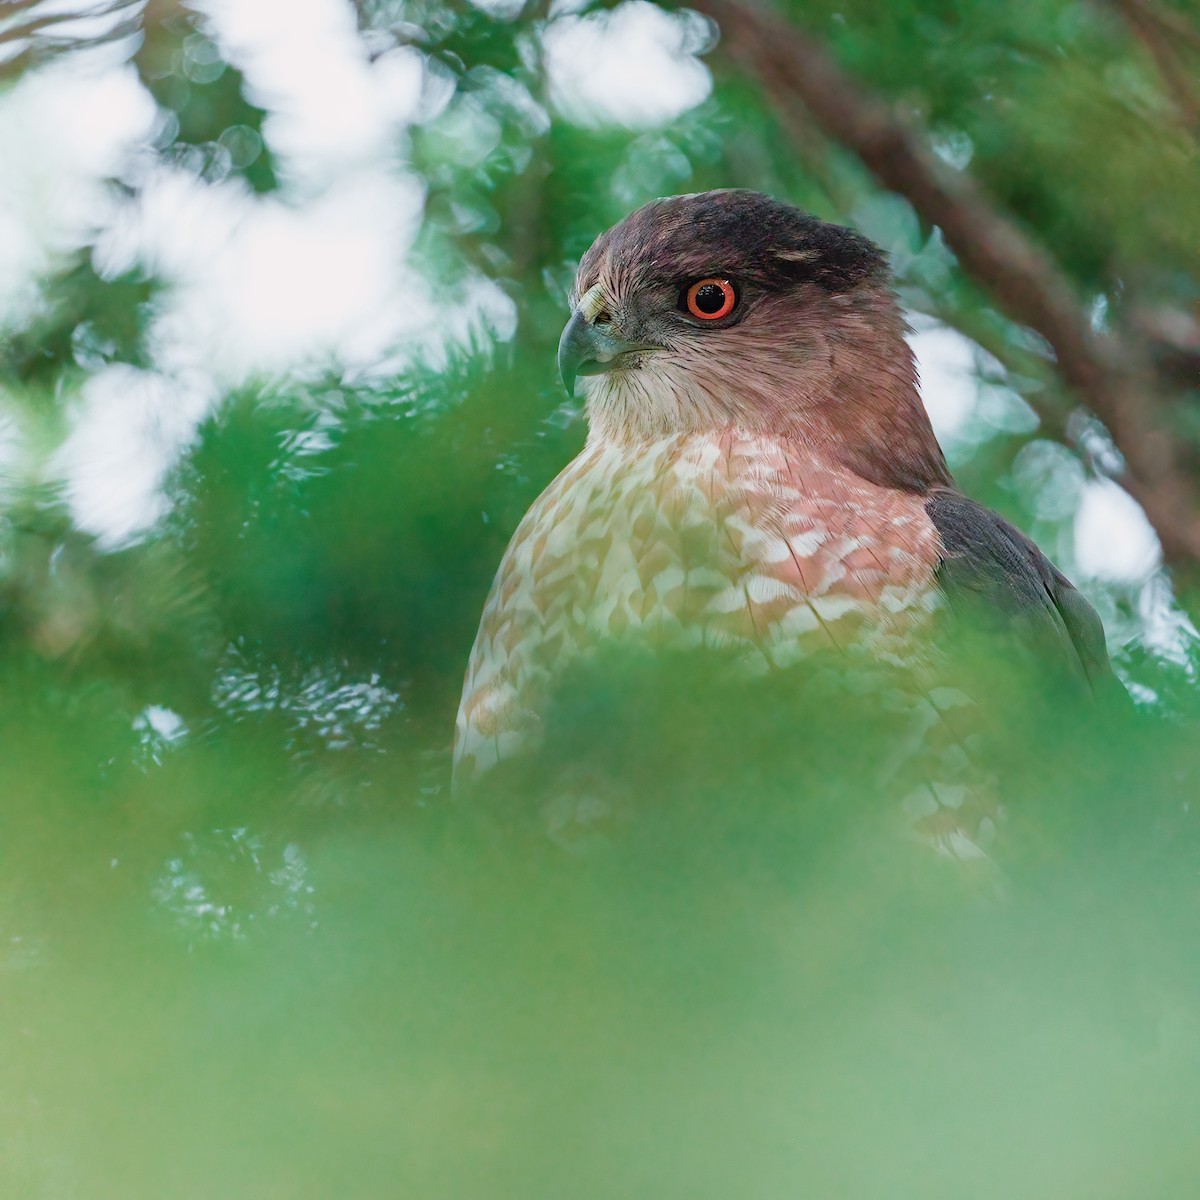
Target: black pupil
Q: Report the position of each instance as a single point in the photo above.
(710, 298)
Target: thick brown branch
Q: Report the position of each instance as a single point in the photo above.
(1107, 372)
(1162, 42)
(1171, 20)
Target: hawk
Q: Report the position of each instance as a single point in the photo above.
(760, 476)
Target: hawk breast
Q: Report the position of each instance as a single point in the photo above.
(740, 542)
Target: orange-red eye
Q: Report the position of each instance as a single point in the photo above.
(711, 299)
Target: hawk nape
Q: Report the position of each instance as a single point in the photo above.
(760, 476)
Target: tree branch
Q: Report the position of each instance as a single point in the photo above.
(1162, 42)
(1107, 372)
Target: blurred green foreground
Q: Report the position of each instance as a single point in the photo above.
(268, 961)
(249, 947)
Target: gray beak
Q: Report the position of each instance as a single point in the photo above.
(586, 349)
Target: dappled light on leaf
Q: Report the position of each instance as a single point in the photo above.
(281, 292)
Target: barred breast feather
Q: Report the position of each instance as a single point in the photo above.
(750, 543)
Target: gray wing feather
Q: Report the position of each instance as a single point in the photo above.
(1018, 587)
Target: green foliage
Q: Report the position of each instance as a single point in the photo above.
(89, 321)
(252, 948)
(210, 124)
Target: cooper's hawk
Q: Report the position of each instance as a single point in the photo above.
(760, 475)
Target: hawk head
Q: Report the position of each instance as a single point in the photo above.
(729, 309)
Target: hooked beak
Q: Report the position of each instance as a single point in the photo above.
(586, 349)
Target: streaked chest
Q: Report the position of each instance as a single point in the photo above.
(730, 541)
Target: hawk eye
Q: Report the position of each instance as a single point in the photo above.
(710, 299)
